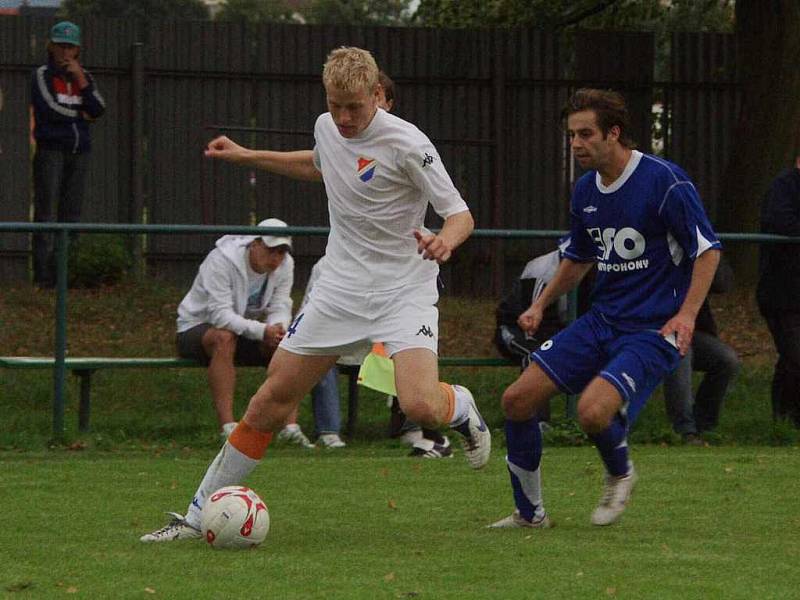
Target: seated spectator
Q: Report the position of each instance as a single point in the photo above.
(691, 417)
(779, 290)
(237, 312)
(509, 339)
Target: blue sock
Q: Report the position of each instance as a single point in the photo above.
(613, 447)
(524, 442)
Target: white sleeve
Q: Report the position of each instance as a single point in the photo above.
(317, 161)
(425, 169)
(279, 307)
(218, 279)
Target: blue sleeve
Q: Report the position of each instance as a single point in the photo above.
(93, 103)
(686, 220)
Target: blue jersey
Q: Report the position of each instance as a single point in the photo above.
(644, 231)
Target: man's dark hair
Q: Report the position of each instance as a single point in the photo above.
(388, 86)
(609, 107)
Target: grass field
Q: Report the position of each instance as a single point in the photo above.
(368, 523)
(718, 521)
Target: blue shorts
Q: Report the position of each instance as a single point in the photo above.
(634, 362)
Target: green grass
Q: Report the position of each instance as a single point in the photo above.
(366, 522)
(134, 408)
(369, 523)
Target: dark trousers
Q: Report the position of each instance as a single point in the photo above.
(718, 361)
(59, 179)
(785, 330)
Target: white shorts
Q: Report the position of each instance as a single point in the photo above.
(346, 323)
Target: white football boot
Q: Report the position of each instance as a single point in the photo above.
(176, 529)
(616, 493)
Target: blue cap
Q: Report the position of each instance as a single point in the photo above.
(66, 32)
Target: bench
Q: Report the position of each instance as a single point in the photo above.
(84, 368)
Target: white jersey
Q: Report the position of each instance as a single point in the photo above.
(379, 185)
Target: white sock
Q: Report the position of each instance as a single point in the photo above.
(461, 409)
(229, 467)
(228, 428)
(531, 484)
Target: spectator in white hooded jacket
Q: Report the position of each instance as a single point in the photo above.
(237, 311)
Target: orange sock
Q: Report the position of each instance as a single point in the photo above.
(250, 441)
(450, 397)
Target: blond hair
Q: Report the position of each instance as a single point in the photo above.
(350, 70)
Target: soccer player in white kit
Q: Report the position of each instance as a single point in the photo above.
(380, 173)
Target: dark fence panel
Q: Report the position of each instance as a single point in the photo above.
(702, 105)
(489, 99)
(197, 75)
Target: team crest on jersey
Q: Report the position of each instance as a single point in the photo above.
(366, 168)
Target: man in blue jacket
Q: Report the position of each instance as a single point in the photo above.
(64, 101)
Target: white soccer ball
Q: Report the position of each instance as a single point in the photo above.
(234, 517)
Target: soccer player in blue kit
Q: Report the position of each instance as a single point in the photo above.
(640, 220)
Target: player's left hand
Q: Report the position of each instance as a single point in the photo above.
(433, 247)
(683, 327)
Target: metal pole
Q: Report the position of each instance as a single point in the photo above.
(571, 408)
(499, 161)
(137, 166)
(60, 371)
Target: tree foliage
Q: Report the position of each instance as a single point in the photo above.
(359, 12)
(136, 9)
(641, 15)
(255, 11)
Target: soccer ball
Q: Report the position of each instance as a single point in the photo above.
(234, 517)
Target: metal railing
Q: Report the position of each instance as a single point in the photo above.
(62, 231)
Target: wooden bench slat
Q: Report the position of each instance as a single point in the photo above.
(88, 362)
(84, 366)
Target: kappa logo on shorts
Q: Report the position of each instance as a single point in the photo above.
(426, 331)
(293, 327)
(427, 160)
(366, 168)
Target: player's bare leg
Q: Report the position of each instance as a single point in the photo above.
(599, 416)
(431, 403)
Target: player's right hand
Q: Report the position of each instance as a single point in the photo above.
(530, 320)
(224, 148)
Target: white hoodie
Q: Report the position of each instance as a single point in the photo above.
(219, 293)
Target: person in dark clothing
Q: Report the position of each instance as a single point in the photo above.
(779, 289)
(691, 417)
(509, 339)
(64, 100)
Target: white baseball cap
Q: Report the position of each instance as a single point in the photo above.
(271, 241)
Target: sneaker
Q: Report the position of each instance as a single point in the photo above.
(692, 439)
(176, 529)
(515, 521)
(295, 435)
(331, 440)
(411, 436)
(426, 448)
(476, 437)
(616, 494)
